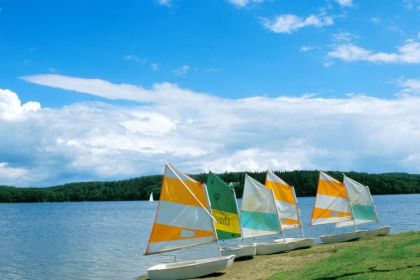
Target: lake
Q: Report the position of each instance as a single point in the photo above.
(106, 240)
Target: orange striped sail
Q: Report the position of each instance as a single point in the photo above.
(182, 218)
(331, 202)
(285, 197)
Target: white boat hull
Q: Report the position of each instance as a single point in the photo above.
(343, 237)
(189, 269)
(277, 246)
(298, 243)
(378, 231)
(240, 251)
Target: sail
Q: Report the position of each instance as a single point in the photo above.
(331, 203)
(285, 201)
(258, 210)
(181, 220)
(361, 203)
(151, 197)
(223, 208)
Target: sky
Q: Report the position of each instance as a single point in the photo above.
(109, 90)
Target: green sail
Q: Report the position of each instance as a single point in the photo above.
(223, 207)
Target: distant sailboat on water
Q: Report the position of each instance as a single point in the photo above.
(183, 220)
(151, 197)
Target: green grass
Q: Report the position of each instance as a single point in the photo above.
(390, 257)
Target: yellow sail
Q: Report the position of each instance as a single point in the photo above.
(182, 218)
(331, 202)
(284, 195)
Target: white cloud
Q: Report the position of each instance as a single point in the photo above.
(289, 23)
(409, 87)
(9, 175)
(345, 3)
(164, 2)
(154, 66)
(97, 141)
(306, 48)
(244, 3)
(412, 4)
(408, 53)
(134, 58)
(375, 20)
(11, 107)
(343, 36)
(182, 71)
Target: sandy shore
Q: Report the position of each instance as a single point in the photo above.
(262, 267)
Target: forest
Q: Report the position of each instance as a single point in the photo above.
(305, 183)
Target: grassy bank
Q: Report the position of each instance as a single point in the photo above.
(391, 257)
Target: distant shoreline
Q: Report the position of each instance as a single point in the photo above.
(305, 183)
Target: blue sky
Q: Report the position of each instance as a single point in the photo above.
(99, 90)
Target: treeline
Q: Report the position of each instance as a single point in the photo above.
(305, 183)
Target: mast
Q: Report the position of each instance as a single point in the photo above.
(351, 204)
(185, 185)
(374, 207)
(298, 211)
(237, 210)
(214, 222)
(258, 210)
(278, 216)
(180, 211)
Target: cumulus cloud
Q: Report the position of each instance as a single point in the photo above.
(10, 175)
(11, 107)
(199, 132)
(289, 23)
(408, 53)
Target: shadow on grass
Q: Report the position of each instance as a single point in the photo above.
(216, 274)
(370, 270)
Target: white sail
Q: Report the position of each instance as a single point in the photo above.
(331, 202)
(361, 203)
(286, 201)
(182, 219)
(151, 197)
(258, 210)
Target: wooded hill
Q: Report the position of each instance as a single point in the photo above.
(305, 183)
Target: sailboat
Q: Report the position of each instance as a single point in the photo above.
(288, 210)
(224, 208)
(151, 197)
(259, 217)
(183, 220)
(363, 208)
(332, 205)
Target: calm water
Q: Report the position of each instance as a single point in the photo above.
(106, 240)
